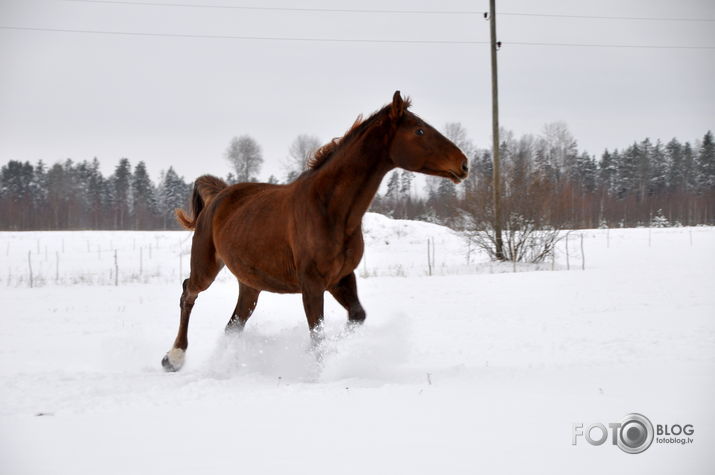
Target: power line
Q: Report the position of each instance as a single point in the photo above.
(343, 40)
(242, 37)
(594, 45)
(279, 9)
(596, 17)
(386, 11)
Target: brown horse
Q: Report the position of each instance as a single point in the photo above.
(306, 236)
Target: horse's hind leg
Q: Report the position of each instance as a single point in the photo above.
(345, 292)
(247, 300)
(204, 269)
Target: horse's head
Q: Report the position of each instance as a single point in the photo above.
(419, 147)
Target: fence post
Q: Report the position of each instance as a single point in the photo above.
(434, 252)
(429, 260)
(57, 266)
(568, 262)
(116, 270)
(583, 256)
(141, 260)
(29, 265)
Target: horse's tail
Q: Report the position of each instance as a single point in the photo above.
(205, 188)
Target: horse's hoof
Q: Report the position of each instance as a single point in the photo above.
(355, 322)
(173, 360)
(357, 316)
(317, 337)
(233, 328)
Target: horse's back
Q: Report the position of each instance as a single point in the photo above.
(243, 200)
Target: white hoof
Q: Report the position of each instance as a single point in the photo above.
(173, 360)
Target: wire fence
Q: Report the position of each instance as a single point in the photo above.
(62, 258)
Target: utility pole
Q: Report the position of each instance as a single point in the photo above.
(496, 174)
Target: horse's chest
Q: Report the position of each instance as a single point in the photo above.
(339, 257)
(347, 255)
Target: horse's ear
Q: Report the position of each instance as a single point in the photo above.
(398, 106)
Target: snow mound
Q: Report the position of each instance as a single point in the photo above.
(398, 247)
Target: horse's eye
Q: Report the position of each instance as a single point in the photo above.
(420, 132)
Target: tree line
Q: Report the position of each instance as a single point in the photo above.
(547, 182)
(75, 195)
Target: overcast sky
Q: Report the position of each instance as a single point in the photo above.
(178, 101)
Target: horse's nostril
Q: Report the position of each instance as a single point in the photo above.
(465, 167)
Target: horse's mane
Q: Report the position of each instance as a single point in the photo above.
(324, 153)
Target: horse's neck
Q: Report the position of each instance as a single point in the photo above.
(349, 181)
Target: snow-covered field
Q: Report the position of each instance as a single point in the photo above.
(474, 369)
(394, 248)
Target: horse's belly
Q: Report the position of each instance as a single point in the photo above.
(272, 273)
(270, 284)
(264, 263)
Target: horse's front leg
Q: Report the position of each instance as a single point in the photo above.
(345, 292)
(313, 301)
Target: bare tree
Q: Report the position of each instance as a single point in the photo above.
(300, 152)
(245, 155)
(559, 149)
(525, 240)
(527, 230)
(456, 132)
